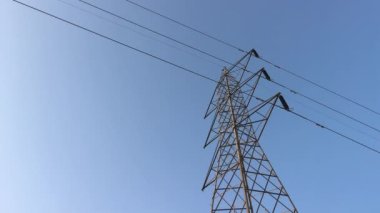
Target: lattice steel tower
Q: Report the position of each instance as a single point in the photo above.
(243, 178)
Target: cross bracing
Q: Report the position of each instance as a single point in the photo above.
(243, 179)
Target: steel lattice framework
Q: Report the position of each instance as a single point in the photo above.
(243, 178)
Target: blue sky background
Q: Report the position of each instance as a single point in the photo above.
(90, 126)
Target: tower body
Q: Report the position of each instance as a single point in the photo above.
(240, 173)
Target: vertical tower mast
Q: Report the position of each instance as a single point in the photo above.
(243, 178)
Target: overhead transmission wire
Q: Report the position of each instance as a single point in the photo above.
(329, 117)
(325, 106)
(186, 26)
(184, 69)
(324, 127)
(221, 41)
(115, 41)
(154, 31)
(336, 120)
(228, 62)
(136, 31)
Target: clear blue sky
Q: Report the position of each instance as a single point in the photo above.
(90, 126)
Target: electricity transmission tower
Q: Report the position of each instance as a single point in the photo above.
(243, 178)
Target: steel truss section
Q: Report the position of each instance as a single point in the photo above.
(243, 178)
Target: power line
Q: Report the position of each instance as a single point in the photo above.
(325, 106)
(335, 120)
(326, 128)
(182, 68)
(187, 26)
(136, 31)
(116, 41)
(259, 57)
(335, 132)
(155, 32)
(321, 87)
(225, 61)
(328, 116)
